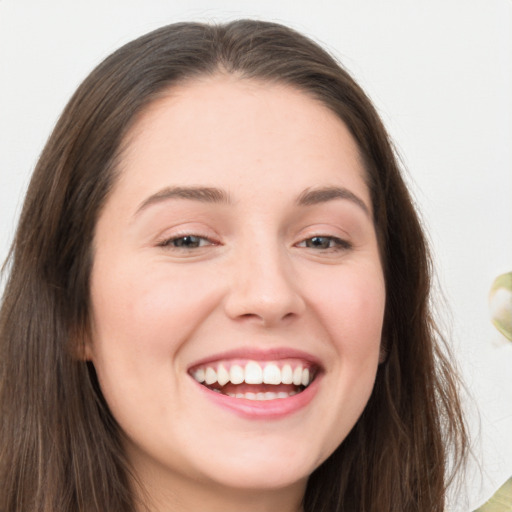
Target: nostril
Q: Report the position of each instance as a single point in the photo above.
(266, 319)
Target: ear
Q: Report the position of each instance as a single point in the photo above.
(81, 346)
(86, 350)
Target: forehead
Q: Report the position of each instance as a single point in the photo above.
(221, 130)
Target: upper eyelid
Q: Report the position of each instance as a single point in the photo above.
(212, 236)
(166, 240)
(339, 240)
(324, 232)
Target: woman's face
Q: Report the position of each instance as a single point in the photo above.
(237, 246)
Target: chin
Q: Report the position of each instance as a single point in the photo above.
(264, 468)
(256, 479)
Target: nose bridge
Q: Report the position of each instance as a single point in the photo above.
(262, 286)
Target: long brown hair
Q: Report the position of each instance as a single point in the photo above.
(60, 447)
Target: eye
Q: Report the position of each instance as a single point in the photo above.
(186, 242)
(325, 243)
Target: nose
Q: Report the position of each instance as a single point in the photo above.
(263, 288)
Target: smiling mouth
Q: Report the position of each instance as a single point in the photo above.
(256, 380)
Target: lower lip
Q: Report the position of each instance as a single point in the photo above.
(263, 409)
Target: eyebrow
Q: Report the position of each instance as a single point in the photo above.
(308, 197)
(202, 194)
(315, 196)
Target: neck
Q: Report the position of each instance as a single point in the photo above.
(190, 496)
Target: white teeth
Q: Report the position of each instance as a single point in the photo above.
(271, 374)
(297, 376)
(222, 375)
(305, 377)
(268, 395)
(287, 374)
(236, 374)
(210, 376)
(253, 373)
(199, 375)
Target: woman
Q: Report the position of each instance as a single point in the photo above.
(218, 294)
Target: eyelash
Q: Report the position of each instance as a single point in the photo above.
(197, 241)
(335, 243)
(193, 239)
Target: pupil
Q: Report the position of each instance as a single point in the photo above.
(319, 241)
(187, 241)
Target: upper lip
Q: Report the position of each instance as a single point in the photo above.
(256, 354)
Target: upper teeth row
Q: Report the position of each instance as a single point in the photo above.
(253, 373)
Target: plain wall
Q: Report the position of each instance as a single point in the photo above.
(440, 74)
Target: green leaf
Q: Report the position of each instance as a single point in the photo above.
(500, 304)
(501, 501)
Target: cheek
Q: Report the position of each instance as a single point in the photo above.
(351, 305)
(141, 321)
(148, 312)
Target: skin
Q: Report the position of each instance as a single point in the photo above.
(255, 280)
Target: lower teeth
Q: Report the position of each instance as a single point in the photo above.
(262, 396)
(269, 395)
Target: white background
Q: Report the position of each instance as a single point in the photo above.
(440, 74)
